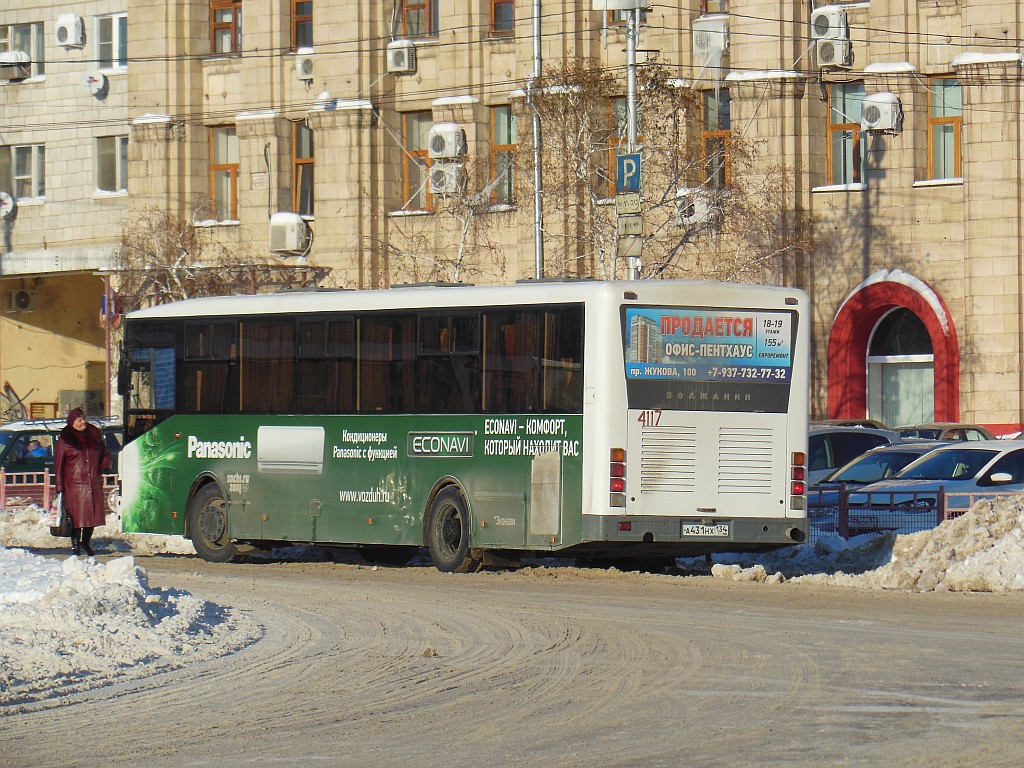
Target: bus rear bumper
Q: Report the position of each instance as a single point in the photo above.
(696, 534)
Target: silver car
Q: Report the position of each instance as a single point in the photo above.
(964, 471)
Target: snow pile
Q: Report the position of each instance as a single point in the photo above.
(981, 551)
(70, 624)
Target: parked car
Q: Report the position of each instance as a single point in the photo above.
(908, 501)
(27, 446)
(877, 464)
(829, 448)
(872, 423)
(945, 431)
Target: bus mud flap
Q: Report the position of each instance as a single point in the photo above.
(545, 497)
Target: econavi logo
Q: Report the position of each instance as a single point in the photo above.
(441, 444)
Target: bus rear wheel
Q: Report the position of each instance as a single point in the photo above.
(208, 525)
(448, 534)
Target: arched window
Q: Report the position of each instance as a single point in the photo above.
(901, 370)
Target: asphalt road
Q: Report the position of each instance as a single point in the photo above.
(556, 667)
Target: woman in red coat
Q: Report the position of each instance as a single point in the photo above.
(78, 463)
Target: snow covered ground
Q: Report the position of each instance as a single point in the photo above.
(74, 622)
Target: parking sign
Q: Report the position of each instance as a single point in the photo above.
(627, 176)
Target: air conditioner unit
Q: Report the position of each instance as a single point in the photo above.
(692, 205)
(69, 31)
(446, 141)
(304, 64)
(710, 40)
(289, 233)
(834, 53)
(882, 112)
(401, 57)
(20, 301)
(15, 65)
(829, 23)
(447, 179)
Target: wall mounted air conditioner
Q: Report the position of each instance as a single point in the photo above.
(834, 53)
(304, 64)
(289, 233)
(829, 23)
(401, 57)
(447, 179)
(20, 301)
(710, 40)
(882, 112)
(15, 65)
(446, 141)
(69, 31)
(692, 205)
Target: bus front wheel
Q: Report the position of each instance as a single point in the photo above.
(208, 525)
(448, 534)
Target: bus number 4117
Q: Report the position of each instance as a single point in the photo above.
(650, 418)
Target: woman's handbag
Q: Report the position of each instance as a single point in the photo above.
(60, 520)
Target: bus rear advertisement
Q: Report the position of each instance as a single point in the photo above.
(620, 421)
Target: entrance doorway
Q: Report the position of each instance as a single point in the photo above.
(901, 370)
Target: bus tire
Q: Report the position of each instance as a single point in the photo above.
(208, 525)
(449, 533)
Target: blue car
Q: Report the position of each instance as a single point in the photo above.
(965, 471)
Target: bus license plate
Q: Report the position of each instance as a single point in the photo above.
(696, 529)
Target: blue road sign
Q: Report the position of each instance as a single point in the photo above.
(627, 176)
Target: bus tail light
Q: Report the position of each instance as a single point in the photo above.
(797, 477)
(617, 477)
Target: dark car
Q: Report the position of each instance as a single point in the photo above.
(945, 431)
(27, 446)
(829, 448)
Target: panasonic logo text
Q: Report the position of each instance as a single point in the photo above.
(219, 449)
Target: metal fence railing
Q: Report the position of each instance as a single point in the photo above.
(38, 488)
(830, 512)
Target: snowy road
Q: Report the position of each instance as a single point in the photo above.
(556, 667)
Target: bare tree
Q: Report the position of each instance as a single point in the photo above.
(164, 257)
(711, 209)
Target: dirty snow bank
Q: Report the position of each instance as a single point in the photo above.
(981, 551)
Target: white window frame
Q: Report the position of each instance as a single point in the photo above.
(118, 59)
(120, 159)
(36, 45)
(35, 177)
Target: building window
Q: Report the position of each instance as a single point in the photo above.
(503, 147)
(845, 158)
(419, 18)
(21, 171)
(226, 26)
(27, 38)
(945, 123)
(503, 17)
(302, 168)
(714, 6)
(224, 172)
(302, 24)
(415, 191)
(716, 138)
(621, 18)
(112, 41)
(112, 163)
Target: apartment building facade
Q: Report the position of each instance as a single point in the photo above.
(338, 133)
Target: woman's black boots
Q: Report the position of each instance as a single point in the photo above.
(76, 540)
(86, 538)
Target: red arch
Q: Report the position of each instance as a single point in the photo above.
(848, 348)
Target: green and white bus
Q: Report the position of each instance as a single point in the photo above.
(626, 421)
